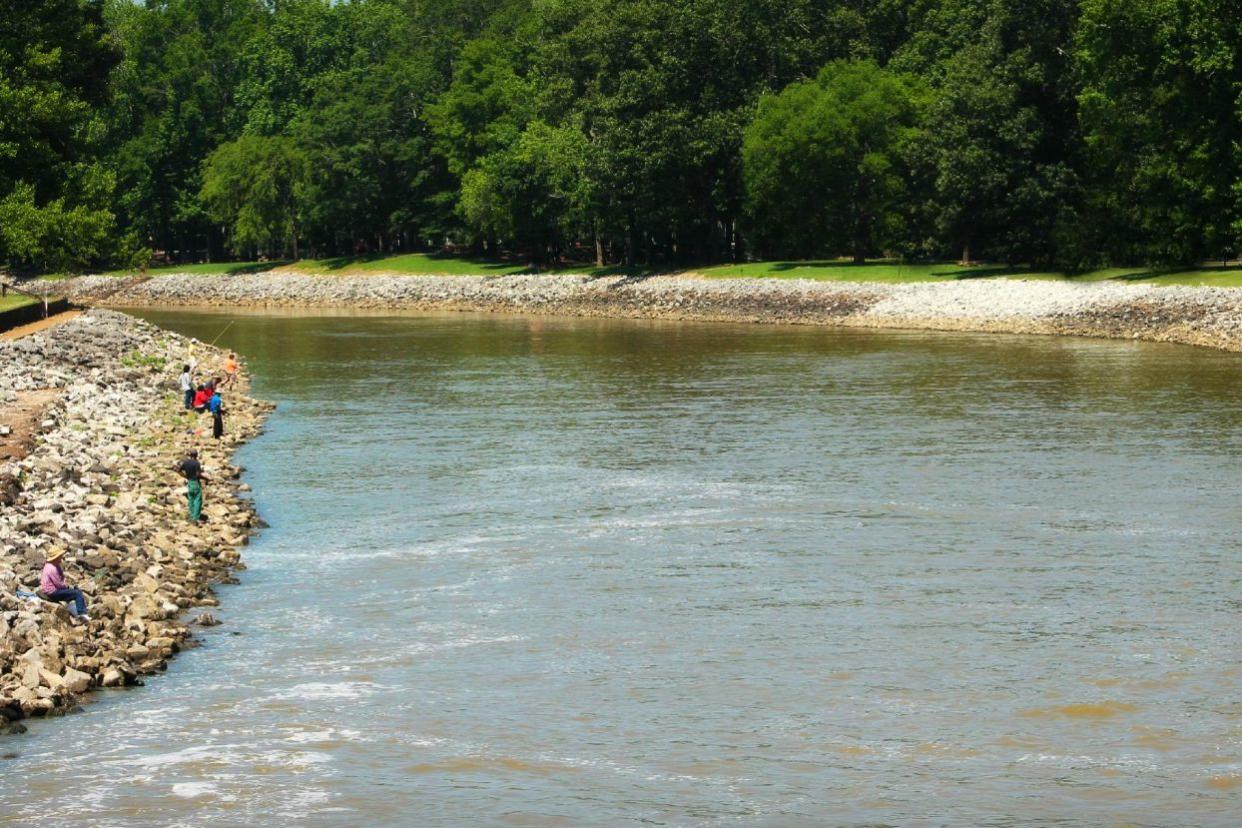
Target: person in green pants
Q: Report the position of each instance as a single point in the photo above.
(192, 471)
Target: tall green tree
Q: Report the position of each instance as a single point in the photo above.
(55, 196)
(535, 192)
(283, 61)
(175, 102)
(255, 186)
(374, 181)
(1161, 108)
(1053, 131)
(662, 93)
(1002, 144)
(825, 162)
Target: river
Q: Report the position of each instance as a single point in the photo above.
(556, 572)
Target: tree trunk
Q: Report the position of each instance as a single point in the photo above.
(599, 248)
(966, 253)
(862, 225)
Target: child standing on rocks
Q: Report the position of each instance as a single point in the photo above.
(192, 471)
(52, 585)
(230, 369)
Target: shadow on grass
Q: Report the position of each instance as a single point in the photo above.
(345, 262)
(960, 272)
(257, 267)
(588, 269)
(209, 270)
(948, 271)
(1155, 273)
(630, 273)
(831, 264)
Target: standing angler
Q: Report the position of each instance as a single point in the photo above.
(230, 369)
(216, 406)
(187, 386)
(192, 471)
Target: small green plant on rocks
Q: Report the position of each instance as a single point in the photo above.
(137, 359)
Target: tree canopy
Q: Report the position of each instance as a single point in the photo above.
(55, 60)
(1057, 132)
(826, 161)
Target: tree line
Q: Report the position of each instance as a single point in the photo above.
(1071, 133)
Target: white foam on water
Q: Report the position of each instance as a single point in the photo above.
(419, 551)
(460, 643)
(296, 804)
(319, 690)
(308, 736)
(192, 790)
(1071, 762)
(197, 753)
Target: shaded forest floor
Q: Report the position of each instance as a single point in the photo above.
(835, 270)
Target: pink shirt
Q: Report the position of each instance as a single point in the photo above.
(52, 579)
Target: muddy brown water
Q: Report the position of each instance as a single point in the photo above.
(553, 572)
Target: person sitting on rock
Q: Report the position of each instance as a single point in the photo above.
(192, 471)
(201, 396)
(52, 585)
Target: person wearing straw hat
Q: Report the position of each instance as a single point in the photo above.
(52, 585)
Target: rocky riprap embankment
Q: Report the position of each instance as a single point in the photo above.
(1192, 315)
(99, 481)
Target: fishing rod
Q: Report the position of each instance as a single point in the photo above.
(217, 339)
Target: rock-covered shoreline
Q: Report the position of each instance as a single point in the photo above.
(1209, 317)
(99, 480)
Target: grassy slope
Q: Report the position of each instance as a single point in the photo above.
(15, 300)
(212, 269)
(421, 263)
(893, 272)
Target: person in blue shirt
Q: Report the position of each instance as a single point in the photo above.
(216, 406)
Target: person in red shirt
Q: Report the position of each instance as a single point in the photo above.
(201, 397)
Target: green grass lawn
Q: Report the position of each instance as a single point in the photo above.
(424, 263)
(414, 263)
(207, 269)
(15, 300)
(843, 271)
(835, 270)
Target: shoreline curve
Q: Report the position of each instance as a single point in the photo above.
(1199, 316)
